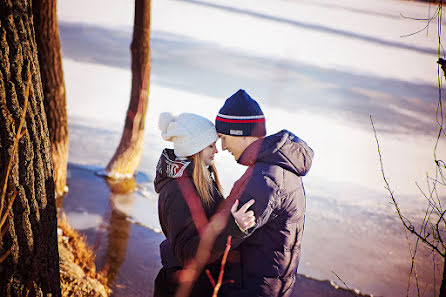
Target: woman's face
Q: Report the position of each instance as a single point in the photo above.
(208, 154)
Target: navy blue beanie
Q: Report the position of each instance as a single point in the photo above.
(241, 116)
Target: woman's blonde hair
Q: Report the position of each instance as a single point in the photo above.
(202, 177)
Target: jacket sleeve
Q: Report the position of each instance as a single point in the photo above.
(266, 194)
(183, 234)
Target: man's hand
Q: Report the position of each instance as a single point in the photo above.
(244, 219)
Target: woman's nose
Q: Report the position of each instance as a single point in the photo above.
(215, 150)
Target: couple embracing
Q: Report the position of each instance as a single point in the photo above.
(266, 206)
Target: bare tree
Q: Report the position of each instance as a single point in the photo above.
(50, 59)
(431, 229)
(29, 235)
(128, 155)
(430, 232)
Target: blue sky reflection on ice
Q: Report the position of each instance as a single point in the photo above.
(309, 78)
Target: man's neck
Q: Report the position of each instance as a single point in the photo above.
(250, 139)
(247, 141)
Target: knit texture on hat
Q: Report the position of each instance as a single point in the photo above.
(190, 133)
(241, 116)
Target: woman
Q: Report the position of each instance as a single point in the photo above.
(189, 194)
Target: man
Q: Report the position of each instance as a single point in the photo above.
(269, 255)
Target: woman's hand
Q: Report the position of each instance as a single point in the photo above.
(244, 219)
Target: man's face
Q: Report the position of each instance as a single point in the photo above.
(233, 144)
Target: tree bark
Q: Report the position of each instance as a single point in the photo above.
(50, 59)
(443, 280)
(128, 154)
(32, 267)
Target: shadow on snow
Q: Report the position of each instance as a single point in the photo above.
(207, 68)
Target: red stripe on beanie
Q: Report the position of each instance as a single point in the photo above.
(240, 121)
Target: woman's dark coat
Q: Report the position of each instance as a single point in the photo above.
(178, 199)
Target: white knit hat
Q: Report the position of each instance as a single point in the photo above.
(190, 133)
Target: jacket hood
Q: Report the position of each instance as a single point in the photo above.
(283, 149)
(170, 167)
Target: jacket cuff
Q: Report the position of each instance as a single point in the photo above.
(234, 229)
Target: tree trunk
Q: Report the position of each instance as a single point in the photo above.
(50, 59)
(128, 154)
(32, 267)
(443, 281)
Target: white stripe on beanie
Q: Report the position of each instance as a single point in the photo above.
(241, 117)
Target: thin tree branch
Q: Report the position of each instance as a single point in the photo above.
(413, 267)
(211, 279)
(222, 267)
(407, 227)
(429, 20)
(349, 290)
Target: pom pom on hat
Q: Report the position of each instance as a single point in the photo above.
(190, 133)
(164, 120)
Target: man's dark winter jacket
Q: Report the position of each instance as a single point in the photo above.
(271, 252)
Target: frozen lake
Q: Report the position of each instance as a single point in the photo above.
(318, 69)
